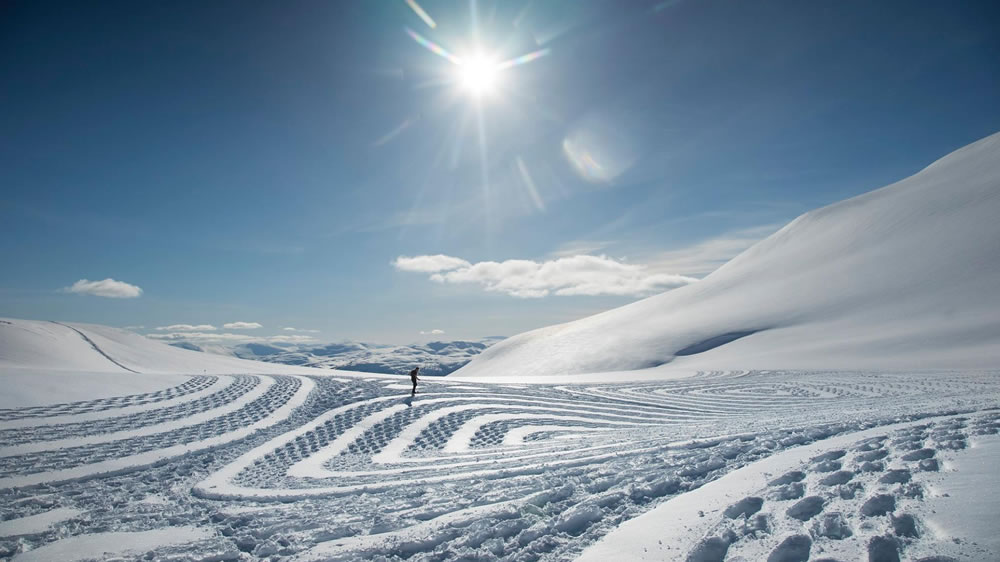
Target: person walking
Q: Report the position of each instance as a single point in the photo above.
(413, 379)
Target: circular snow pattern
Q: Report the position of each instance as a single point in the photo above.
(328, 468)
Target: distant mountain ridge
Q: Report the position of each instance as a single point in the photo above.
(435, 358)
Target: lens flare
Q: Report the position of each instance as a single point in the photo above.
(523, 59)
(432, 46)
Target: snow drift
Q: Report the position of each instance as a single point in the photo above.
(903, 277)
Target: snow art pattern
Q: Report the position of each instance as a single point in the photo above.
(338, 468)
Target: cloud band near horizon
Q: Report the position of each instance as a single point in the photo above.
(564, 276)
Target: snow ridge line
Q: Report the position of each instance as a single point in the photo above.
(87, 339)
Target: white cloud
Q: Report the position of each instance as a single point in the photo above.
(291, 329)
(200, 336)
(434, 332)
(187, 328)
(109, 288)
(290, 339)
(242, 325)
(429, 264)
(571, 275)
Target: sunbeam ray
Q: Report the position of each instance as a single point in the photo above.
(529, 184)
(421, 13)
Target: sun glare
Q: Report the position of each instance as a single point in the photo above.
(478, 74)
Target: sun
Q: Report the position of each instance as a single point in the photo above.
(478, 74)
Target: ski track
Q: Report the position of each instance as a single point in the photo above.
(338, 468)
(94, 345)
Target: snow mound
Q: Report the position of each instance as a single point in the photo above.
(903, 277)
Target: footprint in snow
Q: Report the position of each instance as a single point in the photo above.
(896, 476)
(792, 491)
(919, 455)
(832, 525)
(793, 549)
(712, 549)
(878, 505)
(788, 478)
(874, 455)
(827, 466)
(806, 508)
(837, 478)
(744, 508)
(883, 549)
(904, 525)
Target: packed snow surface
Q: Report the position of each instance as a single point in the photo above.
(891, 499)
(904, 277)
(245, 466)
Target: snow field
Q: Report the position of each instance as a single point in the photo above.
(338, 468)
(53, 413)
(859, 496)
(173, 431)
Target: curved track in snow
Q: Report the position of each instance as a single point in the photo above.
(341, 468)
(94, 345)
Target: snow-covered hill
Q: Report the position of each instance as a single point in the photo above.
(434, 358)
(56, 346)
(904, 277)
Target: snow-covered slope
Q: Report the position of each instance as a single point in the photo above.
(52, 346)
(904, 277)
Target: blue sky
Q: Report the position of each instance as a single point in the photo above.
(272, 163)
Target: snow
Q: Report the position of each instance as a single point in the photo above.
(37, 346)
(116, 461)
(105, 545)
(86, 385)
(26, 344)
(904, 277)
(670, 530)
(959, 512)
(719, 516)
(37, 523)
(24, 387)
(115, 446)
(356, 468)
(259, 389)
